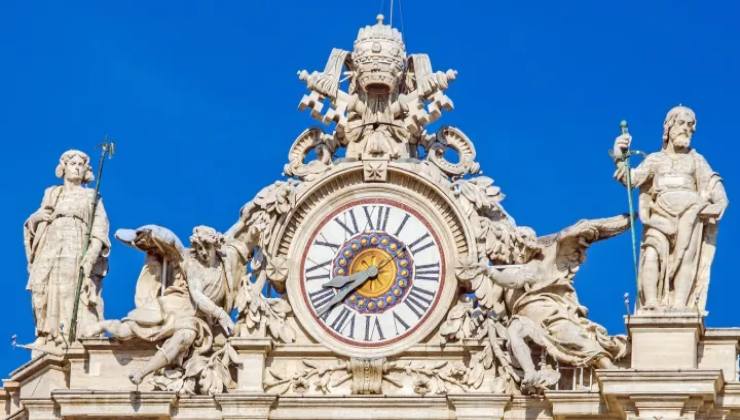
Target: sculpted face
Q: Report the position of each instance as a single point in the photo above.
(74, 169)
(682, 129)
(205, 252)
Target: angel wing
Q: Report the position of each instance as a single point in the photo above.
(571, 243)
(165, 253)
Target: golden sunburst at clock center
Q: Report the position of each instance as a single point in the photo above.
(381, 283)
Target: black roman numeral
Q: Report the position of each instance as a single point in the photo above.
(419, 300)
(424, 242)
(342, 320)
(334, 247)
(398, 320)
(376, 216)
(427, 272)
(351, 230)
(317, 266)
(372, 327)
(320, 297)
(403, 223)
(324, 276)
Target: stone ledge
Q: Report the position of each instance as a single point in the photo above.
(659, 393)
(84, 403)
(665, 320)
(632, 381)
(361, 407)
(35, 365)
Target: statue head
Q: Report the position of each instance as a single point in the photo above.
(379, 58)
(74, 166)
(679, 126)
(205, 243)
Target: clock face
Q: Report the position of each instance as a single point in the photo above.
(372, 272)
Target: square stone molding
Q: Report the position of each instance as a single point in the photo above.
(479, 406)
(677, 394)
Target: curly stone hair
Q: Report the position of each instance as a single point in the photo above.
(206, 235)
(67, 156)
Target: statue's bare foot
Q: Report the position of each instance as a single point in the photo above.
(135, 377)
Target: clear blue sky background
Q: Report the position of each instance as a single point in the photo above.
(202, 99)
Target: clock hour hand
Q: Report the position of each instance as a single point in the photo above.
(356, 280)
(340, 281)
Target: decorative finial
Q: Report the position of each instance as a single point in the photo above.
(379, 18)
(623, 126)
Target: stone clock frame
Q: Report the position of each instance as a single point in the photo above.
(346, 185)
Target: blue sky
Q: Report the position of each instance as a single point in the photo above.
(202, 98)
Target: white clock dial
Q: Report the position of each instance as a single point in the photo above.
(372, 272)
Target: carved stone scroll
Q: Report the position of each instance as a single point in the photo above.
(452, 138)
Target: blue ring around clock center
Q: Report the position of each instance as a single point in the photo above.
(400, 284)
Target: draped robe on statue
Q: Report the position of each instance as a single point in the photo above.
(54, 252)
(673, 193)
(551, 310)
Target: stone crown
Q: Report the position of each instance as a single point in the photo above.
(380, 31)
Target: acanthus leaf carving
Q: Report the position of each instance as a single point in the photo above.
(300, 382)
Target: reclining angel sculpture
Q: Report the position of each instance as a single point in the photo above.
(524, 294)
(182, 295)
(539, 304)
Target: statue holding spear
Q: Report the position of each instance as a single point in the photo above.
(681, 202)
(67, 249)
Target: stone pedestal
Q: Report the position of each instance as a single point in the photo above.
(665, 341)
(252, 353)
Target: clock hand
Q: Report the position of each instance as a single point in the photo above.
(340, 281)
(357, 280)
(399, 252)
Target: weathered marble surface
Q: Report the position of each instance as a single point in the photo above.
(182, 295)
(54, 237)
(681, 202)
(220, 331)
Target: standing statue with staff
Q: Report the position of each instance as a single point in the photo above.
(681, 200)
(67, 248)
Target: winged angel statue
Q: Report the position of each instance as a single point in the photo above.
(525, 299)
(184, 297)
